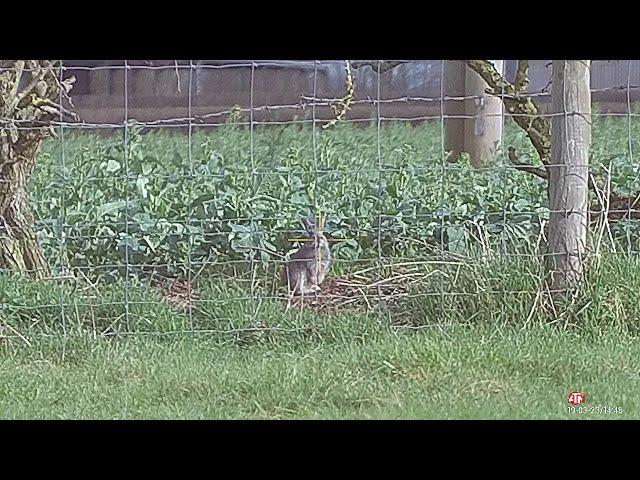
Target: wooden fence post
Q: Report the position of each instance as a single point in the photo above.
(568, 179)
(479, 132)
(454, 79)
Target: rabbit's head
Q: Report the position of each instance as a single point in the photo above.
(315, 232)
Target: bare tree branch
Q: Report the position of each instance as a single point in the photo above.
(34, 81)
(378, 67)
(526, 167)
(519, 105)
(19, 68)
(522, 77)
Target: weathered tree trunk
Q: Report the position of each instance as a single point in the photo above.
(568, 172)
(30, 92)
(19, 249)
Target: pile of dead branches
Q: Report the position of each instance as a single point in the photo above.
(370, 288)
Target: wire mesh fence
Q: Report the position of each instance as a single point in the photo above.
(173, 203)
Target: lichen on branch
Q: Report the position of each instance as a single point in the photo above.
(345, 102)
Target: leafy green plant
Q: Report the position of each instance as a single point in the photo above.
(237, 195)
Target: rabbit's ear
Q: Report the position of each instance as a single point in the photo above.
(308, 225)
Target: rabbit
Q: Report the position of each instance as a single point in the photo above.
(301, 274)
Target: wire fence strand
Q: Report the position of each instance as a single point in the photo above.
(169, 193)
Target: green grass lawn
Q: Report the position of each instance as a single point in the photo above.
(477, 357)
(479, 343)
(457, 373)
